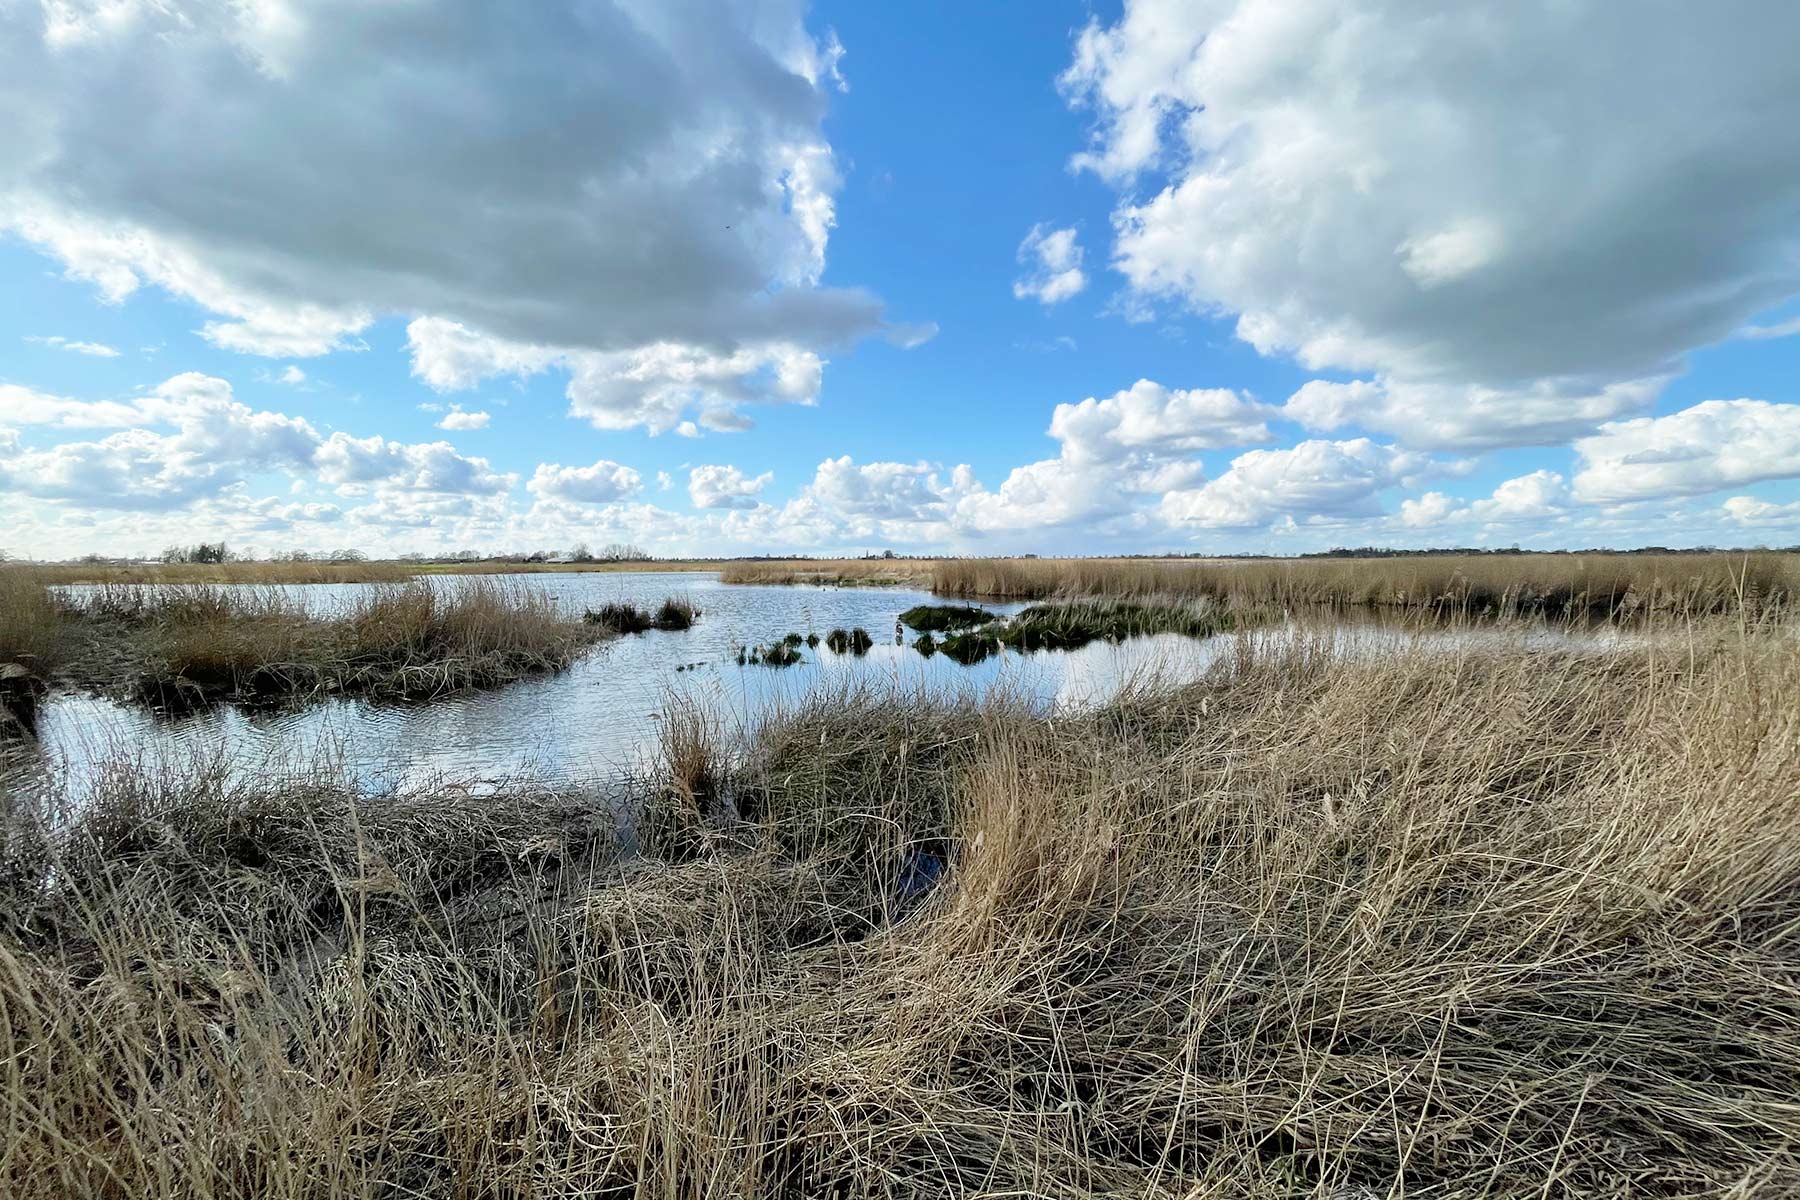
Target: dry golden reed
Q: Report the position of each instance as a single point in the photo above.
(1457, 919)
(1557, 585)
(188, 643)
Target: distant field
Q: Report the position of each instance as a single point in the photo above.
(1526, 584)
(375, 571)
(1475, 584)
(852, 572)
(1512, 922)
(565, 568)
(238, 572)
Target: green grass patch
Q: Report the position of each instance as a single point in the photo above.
(936, 618)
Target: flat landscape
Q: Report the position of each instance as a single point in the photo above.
(1501, 903)
(816, 600)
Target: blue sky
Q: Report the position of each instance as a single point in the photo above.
(734, 278)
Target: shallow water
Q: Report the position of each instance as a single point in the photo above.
(602, 715)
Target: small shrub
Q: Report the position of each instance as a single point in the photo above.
(970, 648)
(620, 617)
(935, 618)
(781, 654)
(676, 613)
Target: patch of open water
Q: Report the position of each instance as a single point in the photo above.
(602, 715)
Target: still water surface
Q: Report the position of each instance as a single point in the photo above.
(602, 715)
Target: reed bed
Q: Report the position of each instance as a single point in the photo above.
(32, 631)
(1572, 586)
(661, 566)
(185, 574)
(33, 645)
(186, 645)
(1503, 922)
(832, 572)
(622, 616)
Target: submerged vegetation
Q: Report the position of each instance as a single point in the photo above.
(1070, 626)
(619, 616)
(676, 612)
(936, 618)
(853, 641)
(622, 616)
(783, 653)
(1535, 931)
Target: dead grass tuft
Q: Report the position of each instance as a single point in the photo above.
(186, 645)
(1560, 586)
(1506, 921)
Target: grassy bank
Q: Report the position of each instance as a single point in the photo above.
(1559, 586)
(32, 632)
(33, 646)
(832, 572)
(620, 616)
(1502, 923)
(372, 571)
(186, 574)
(494, 567)
(183, 645)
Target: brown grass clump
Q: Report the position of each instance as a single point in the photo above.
(1563, 586)
(676, 613)
(1499, 922)
(33, 633)
(189, 574)
(403, 641)
(34, 641)
(832, 572)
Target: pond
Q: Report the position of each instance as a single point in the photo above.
(602, 715)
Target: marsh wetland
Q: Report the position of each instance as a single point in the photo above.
(593, 705)
(1430, 885)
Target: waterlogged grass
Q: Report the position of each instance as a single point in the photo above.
(34, 641)
(190, 574)
(1623, 586)
(1531, 933)
(784, 653)
(936, 618)
(832, 572)
(623, 617)
(185, 645)
(1069, 626)
(620, 617)
(970, 647)
(32, 633)
(676, 613)
(849, 641)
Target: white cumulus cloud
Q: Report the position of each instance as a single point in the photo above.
(609, 177)
(1052, 262)
(1712, 445)
(725, 487)
(1314, 479)
(1478, 204)
(600, 483)
(459, 421)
